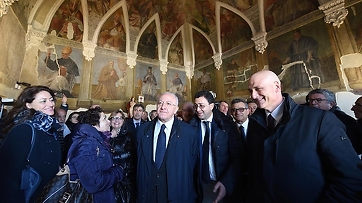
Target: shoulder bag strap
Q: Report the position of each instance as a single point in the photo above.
(31, 143)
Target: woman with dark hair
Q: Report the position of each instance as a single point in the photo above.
(72, 120)
(35, 105)
(90, 159)
(124, 154)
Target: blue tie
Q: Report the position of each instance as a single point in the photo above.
(205, 154)
(161, 147)
(137, 125)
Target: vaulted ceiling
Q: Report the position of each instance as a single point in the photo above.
(176, 32)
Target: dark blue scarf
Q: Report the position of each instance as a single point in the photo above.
(40, 121)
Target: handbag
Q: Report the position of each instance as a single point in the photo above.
(61, 189)
(30, 178)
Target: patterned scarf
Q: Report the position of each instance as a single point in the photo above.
(40, 121)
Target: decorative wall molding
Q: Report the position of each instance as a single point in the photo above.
(34, 37)
(4, 6)
(163, 66)
(217, 60)
(131, 59)
(260, 42)
(334, 11)
(88, 50)
(189, 69)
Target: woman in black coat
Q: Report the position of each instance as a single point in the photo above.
(124, 154)
(34, 105)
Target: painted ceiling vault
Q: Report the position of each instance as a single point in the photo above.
(181, 33)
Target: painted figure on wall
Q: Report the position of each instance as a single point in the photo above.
(149, 85)
(112, 35)
(148, 44)
(177, 86)
(303, 48)
(65, 71)
(280, 12)
(175, 54)
(121, 86)
(68, 21)
(205, 80)
(107, 79)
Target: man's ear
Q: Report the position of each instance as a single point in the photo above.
(277, 84)
(212, 106)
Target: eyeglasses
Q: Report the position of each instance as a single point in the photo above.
(318, 100)
(201, 106)
(116, 118)
(239, 109)
(167, 103)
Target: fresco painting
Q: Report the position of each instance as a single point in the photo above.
(108, 78)
(176, 52)
(177, 83)
(112, 35)
(147, 81)
(68, 21)
(203, 50)
(303, 57)
(234, 30)
(237, 70)
(280, 12)
(147, 46)
(204, 79)
(59, 68)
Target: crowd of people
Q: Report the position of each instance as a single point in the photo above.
(264, 149)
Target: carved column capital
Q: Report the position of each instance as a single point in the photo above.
(189, 69)
(88, 50)
(4, 6)
(34, 37)
(217, 60)
(334, 11)
(260, 42)
(131, 59)
(163, 66)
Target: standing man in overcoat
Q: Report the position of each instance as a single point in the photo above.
(298, 154)
(220, 149)
(167, 152)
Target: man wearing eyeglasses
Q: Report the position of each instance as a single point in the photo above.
(220, 149)
(326, 100)
(304, 156)
(240, 112)
(167, 151)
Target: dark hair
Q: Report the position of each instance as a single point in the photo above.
(90, 116)
(208, 96)
(327, 93)
(26, 96)
(139, 105)
(223, 101)
(234, 101)
(70, 116)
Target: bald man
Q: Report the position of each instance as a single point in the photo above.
(297, 153)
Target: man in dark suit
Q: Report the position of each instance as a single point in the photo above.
(133, 123)
(326, 100)
(220, 149)
(167, 150)
(297, 153)
(240, 112)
